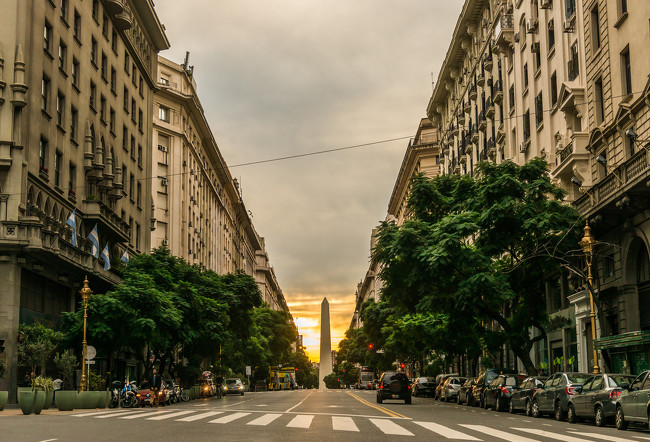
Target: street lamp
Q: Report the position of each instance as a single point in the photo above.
(587, 243)
(85, 293)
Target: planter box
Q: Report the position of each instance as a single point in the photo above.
(49, 396)
(4, 397)
(26, 401)
(39, 401)
(88, 399)
(66, 400)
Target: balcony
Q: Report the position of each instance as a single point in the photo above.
(123, 20)
(504, 31)
(575, 152)
(491, 149)
(487, 62)
(489, 108)
(474, 134)
(472, 93)
(461, 118)
(482, 122)
(467, 107)
(480, 80)
(498, 92)
(95, 211)
(114, 6)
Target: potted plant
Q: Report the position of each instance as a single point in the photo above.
(26, 399)
(66, 362)
(47, 385)
(40, 386)
(4, 395)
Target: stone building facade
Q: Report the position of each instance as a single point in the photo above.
(76, 93)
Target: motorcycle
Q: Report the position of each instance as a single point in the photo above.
(123, 396)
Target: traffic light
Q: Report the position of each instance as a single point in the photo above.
(402, 365)
(370, 346)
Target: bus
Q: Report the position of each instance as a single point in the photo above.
(282, 378)
(366, 379)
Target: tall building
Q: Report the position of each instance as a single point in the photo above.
(76, 94)
(267, 281)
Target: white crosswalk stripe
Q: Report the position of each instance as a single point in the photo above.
(229, 418)
(265, 419)
(498, 433)
(601, 436)
(196, 417)
(555, 436)
(343, 423)
(445, 432)
(95, 413)
(145, 414)
(301, 421)
(390, 427)
(169, 415)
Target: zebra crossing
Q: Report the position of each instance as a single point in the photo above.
(351, 424)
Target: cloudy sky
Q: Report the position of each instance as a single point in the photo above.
(288, 77)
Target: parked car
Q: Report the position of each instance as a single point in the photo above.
(449, 390)
(554, 396)
(423, 387)
(632, 404)
(596, 399)
(484, 379)
(522, 398)
(394, 385)
(498, 393)
(233, 386)
(465, 391)
(440, 382)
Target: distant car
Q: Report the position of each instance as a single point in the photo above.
(208, 389)
(554, 396)
(394, 385)
(596, 399)
(465, 391)
(522, 398)
(440, 382)
(484, 379)
(233, 386)
(498, 393)
(449, 390)
(632, 404)
(423, 387)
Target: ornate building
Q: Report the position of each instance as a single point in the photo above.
(76, 92)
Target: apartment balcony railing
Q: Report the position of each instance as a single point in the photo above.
(504, 30)
(467, 107)
(474, 134)
(461, 118)
(472, 93)
(487, 61)
(489, 108)
(498, 92)
(482, 122)
(491, 149)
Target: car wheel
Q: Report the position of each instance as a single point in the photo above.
(407, 401)
(498, 405)
(529, 408)
(599, 419)
(379, 400)
(511, 407)
(621, 423)
(571, 414)
(535, 411)
(559, 413)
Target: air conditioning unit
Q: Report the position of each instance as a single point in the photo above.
(546, 4)
(531, 26)
(165, 242)
(534, 47)
(568, 26)
(162, 148)
(163, 181)
(516, 37)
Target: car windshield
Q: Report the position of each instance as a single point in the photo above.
(232, 381)
(491, 375)
(514, 381)
(423, 380)
(577, 378)
(394, 376)
(619, 380)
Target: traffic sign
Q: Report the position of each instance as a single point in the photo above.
(248, 370)
(91, 352)
(89, 362)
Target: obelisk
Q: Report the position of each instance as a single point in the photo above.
(325, 365)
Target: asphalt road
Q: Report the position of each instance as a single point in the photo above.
(301, 415)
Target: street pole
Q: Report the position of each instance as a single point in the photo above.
(587, 244)
(85, 295)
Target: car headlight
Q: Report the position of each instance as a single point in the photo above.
(206, 389)
(225, 388)
(240, 387)
(138, 395)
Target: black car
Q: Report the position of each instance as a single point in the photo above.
(521, 399)
(597, 398)
(394, 385)
(423, 387)
(465, 391)
(554, 396)
(498, 393)
(484, 379)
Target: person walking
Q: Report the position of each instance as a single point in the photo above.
(156, 382)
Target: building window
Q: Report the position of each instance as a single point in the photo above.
(527, 125)
(126, 100)
(75, 73)
(140, 121)
(102, 108)
(127, 62)
(525, 75)
(131, 229)
(599, 100)
(140, 156)
(96, 11)
(47, 37)
(622, 7)
(64, 10)
(133, 113)
(131, 186)
(113, 81)
(134, 72)
(132, 147)
(595, 28)
(163, 114)
(72, 178)
(42, 154)
(137, 236)
(551, 34)
(141, 86)
(93, 52)
(626, 70)
(63, 55)
(104, 67)
(569, 9)
(573, 63)
(60, 109)
(114, 41)
(139, 195)
(93, 95)
(105, 25)
(76, 26)
(538, 61)
(511, 97)
(125, 138)
(164, 80)
(123, 182)
(45, 93)
(539, 110)
(74, 123)
(553, 89)
(58, 158)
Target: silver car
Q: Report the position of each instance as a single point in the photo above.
(596, 399)
(449, 390)
(632, 404)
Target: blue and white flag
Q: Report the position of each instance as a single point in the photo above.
(94, 240)
(125, 257)
(104, 256)
(72, 222)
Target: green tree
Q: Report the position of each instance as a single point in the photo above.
(332, 381)
(478, 250)
(36, 343)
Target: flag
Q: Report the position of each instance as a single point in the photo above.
(125, 257)
(94, 239)
(72, 222)
(104, 256)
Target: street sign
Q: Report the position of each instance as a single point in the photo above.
(248, 370)
(89, 362)
(380, 351)
(90, 353)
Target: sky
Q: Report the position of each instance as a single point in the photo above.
(279, 78)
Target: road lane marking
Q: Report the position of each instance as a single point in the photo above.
(95, 413)
(600, 436)
(498, 433)
(139, 415)
(170, 415)
(265, 420)
(299, 403)
(390, 427)
(301, 421)
(377, 407)
(641, 437)
(554, 436)
(229, 418)
(343, 423)
(196, 417)
(445, 432)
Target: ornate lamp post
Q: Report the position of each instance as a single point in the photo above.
(587, 243)
(85, 293)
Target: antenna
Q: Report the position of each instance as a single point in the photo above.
(187, 60)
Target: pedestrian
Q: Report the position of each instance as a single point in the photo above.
(156, 382)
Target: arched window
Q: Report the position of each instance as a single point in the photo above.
(642, 265)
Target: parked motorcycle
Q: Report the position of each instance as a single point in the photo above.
(123, 396)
